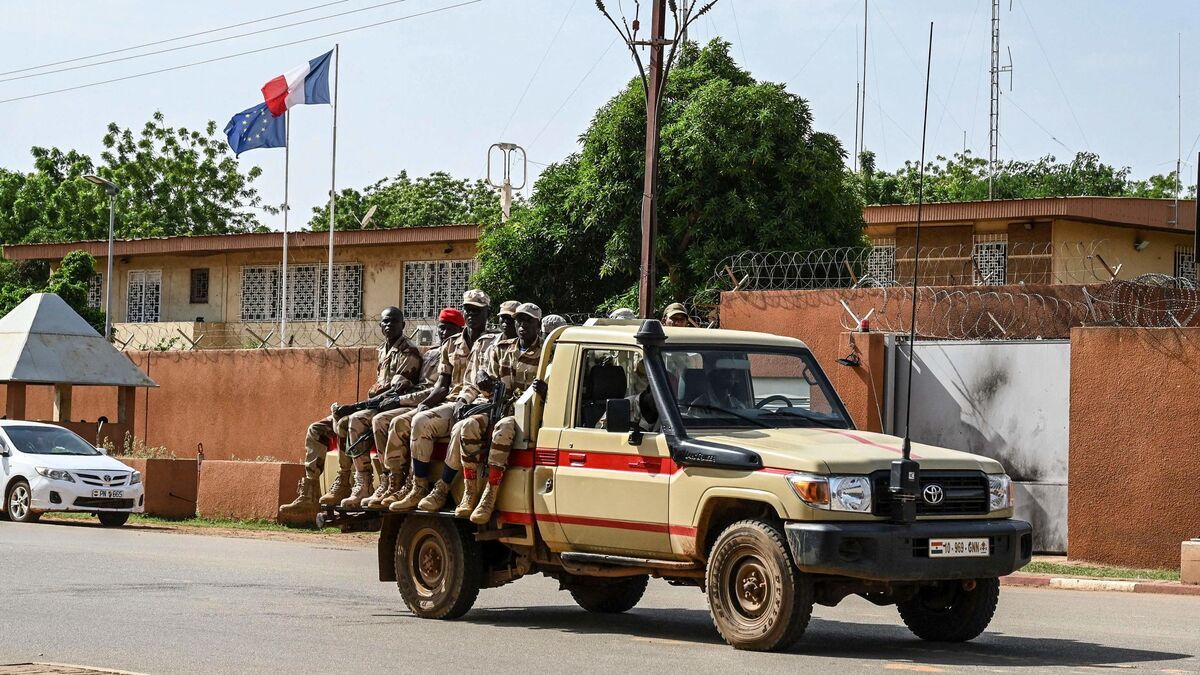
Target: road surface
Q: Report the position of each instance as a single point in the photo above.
(163, 602)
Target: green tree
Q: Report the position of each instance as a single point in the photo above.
(173, 182)
(436, 199)
(741, 168)
(69, 282)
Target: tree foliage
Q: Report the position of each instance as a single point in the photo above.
(964, 177)
(436, 199)
(741, 168)
(69, 282)
(173, 182)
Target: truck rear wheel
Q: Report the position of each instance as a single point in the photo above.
(439, 567)
(609, 596)
(758, 599)
(951, 612)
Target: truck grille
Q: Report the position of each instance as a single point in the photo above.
(103, 503)
(966, 493)
(102, 479)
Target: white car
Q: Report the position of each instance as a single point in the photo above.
(44, 467)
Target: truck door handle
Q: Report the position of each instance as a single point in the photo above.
(577, 458)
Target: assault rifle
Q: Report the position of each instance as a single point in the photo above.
(495, 411)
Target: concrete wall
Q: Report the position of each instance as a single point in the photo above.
(1135, 444)
(1158, 257)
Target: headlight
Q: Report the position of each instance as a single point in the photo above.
(55, 474)
(135, 477)
(1000, 492)
(834, 493)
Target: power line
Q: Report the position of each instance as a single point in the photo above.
(538, 69)
(180, 37)
(1053, 74)
(962, 52)
(206, 42)
(822, 45)
(738, 29)
(1039, 125)
(579, 84)
(913, 62)
(245, 53)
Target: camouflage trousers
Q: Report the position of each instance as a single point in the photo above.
(393, 428)
(316, 443)
(427, 427)
(466, 446)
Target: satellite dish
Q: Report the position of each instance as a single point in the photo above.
(367, 218)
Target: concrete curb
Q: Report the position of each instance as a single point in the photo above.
(1092, 584)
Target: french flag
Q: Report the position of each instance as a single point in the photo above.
(307, 83)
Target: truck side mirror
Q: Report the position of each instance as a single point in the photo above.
(618, 416)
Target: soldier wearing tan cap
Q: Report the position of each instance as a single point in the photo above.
(676, 315)
(464, 360)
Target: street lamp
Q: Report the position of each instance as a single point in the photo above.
(111, 188)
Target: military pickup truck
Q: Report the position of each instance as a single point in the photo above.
(722, 460)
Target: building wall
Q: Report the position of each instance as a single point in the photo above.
(1158, 257)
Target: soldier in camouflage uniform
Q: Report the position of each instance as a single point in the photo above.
(396, 476)
(463, 361)
(399, 365)
(515, 363)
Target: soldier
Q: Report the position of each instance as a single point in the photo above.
(676, 315)
(622, 313)
(462, 362)
(515, 363)
(395, 476)
(399, 365)
(551, 322)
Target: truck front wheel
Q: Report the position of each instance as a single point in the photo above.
(609, 596)
(953, 611)
(758, 599)
(439, 567)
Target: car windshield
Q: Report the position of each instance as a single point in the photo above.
(753, 388)
(33, 440)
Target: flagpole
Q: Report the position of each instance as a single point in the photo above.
(332, 195)
(287, 149)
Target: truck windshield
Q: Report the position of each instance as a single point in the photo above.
(765, 388)
(33, 440)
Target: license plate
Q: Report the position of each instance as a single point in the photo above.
(958, 548)
(108, 494)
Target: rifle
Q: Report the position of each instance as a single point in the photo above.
(354, 449)
(495, 410)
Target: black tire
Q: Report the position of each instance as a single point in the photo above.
(775, 600)
(17, 502)
(439, 566)
(112, 518)
(950, 613)
(609, 596)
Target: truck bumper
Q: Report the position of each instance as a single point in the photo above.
(900, 551)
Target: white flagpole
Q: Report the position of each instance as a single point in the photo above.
(332, 198)
(287, 149)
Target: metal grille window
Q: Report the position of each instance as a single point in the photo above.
(881, 262)
(95, 291)
(143, 295)
(431, 285)
(1185, 263)
(991, 259)
(306, 286)
(199, 286)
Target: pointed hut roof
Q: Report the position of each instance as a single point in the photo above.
(44, 341)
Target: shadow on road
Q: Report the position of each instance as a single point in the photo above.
(827, 638)
(95, 524)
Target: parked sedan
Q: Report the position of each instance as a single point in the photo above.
(44, 467)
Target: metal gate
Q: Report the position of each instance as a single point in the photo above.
(1005, 400)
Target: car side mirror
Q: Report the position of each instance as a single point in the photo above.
(618, 416)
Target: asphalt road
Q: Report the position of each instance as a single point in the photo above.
(162, 602)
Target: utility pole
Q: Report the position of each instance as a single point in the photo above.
(994, 112)
(648, 281)
(505, 184)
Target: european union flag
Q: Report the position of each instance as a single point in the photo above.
(256, 128)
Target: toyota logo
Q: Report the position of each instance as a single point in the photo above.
(107, 479)
(934, 494)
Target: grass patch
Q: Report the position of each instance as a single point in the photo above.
(213, 523)
(1104, 572)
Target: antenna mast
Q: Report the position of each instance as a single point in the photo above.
(994, 112)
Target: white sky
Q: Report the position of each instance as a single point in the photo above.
(434, 92)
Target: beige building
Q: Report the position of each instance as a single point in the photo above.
(226, 290)
(1064, 240)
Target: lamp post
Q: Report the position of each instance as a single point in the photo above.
(111, 188)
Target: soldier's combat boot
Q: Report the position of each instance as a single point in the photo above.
(403, 485)
(420, 488)
(364, 484)
(470, 491)
(385, 483)
(338, 491)
(303, 510)
(436, 498)
(487, 502)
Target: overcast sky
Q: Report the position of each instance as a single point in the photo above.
(433, 92)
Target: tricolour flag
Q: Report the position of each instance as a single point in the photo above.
(256, 128)
(308, 83)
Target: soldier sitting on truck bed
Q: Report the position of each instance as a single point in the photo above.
(399, 365)
(458, 373)
(391, 482)
(515, 364)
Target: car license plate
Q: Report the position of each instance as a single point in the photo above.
(111, 494)
(958, 548)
